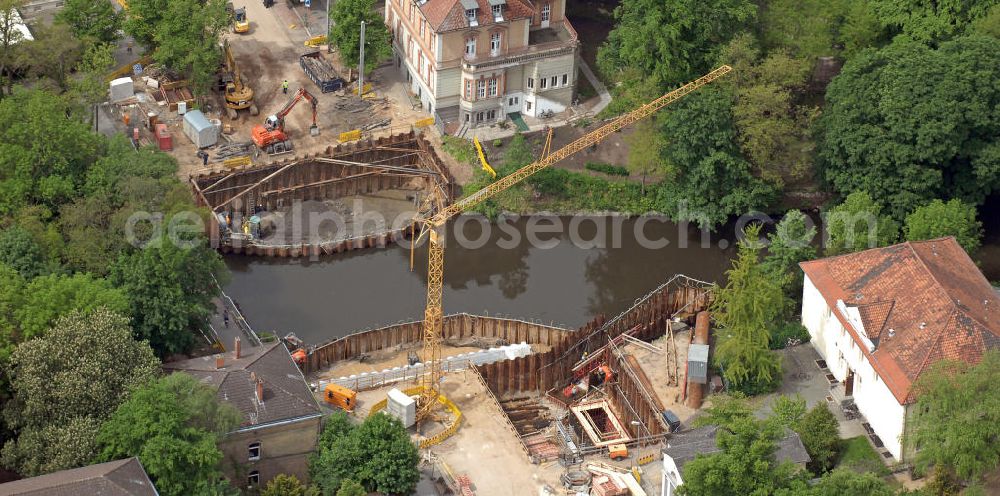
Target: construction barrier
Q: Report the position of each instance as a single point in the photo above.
(368, 89)
(482, 159)
(126, 69)
(316, 41)
(232, 163)
(424, 122)
(352, 135)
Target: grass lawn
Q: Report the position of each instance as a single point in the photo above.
(857, 454)
(462, 150)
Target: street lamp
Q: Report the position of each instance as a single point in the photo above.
(635, 469)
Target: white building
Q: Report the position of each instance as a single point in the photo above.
(685, 446)
(881, 317)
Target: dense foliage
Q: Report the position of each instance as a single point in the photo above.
(938, 219)
(858, 224)
(377, 454)
(958, 410)
(172, 425)
(745, 310)
(289, 485)
(345, 34)
(66, 382)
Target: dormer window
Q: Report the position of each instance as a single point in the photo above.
(471, 12)
(496, 7)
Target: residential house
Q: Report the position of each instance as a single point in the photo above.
(682, 447)
(118, 478)
(881, 317)
(281, 419)
(471, 62)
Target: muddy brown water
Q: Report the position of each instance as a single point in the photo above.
(552, 280)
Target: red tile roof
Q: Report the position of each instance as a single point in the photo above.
(919, 302)
(449, 15)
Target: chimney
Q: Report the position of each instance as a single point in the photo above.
(260, 390)
(220, 361)
(236, 347)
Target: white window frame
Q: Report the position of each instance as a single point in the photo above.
(481, 88)
(472, 16)
(493, 86)
(470, 47)
(565, 79)
(543, 83)
(554, 81)
(497, 12)
(531, 83)
(251, 448)
(546, 12)
(496, 42)
(253, 478)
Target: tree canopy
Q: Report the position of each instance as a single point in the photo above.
(66, 382)
(958, 409)
(289, 485)
(858, 224)
(170, 290)
(172, 425)
(790, 243)
(938, 219)
(930, 20)
(345, 34)
(95, 21)
(377, 454)
(910, 123)
(745, 309)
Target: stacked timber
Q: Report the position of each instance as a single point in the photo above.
(527, 415)
(321, 72)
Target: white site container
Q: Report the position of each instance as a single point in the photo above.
(121, 89)
(401, 406)
(199, 129)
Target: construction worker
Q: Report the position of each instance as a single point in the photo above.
(225, 317)
(284, 86)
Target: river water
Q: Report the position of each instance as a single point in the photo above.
(564, 276)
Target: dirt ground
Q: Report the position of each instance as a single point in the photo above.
(654, 366)
(336, 219)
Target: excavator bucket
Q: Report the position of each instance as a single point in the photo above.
(314, 130)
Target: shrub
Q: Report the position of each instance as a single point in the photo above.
(497, 143)
(611, 170)
(789, 330)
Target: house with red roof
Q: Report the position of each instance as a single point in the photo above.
(881, 317)
(473, 62)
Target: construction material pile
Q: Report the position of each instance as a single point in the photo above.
(321, 72)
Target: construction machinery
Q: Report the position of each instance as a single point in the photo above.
(240, 22)
(238, 95)
(431, 227)
(271, 137)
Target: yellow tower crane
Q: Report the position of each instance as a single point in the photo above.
(431, 227)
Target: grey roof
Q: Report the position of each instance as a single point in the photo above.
(684, 446)
(470, 4)
(118, 478)
(286, 394)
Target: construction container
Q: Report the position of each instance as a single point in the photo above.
(402, 407)
(163, 138)
(199, 129)
(321, 72)
(121, 89)
(339, 396)
(182, 107)
(697, 371)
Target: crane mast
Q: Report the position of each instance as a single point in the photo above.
(431, 227)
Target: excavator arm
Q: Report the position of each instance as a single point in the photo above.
(300, 95)
(431, 226)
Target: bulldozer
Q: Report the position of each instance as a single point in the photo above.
(271, 137)
(238, 95)
(240, 22)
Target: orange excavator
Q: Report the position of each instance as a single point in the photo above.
(270, 136)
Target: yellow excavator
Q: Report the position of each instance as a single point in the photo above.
(240, 22)
(238, 95)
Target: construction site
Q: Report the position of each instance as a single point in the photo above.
(290, 156)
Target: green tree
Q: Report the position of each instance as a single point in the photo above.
(90, 20)
(745, 466)
(53, 54)
(725, 410)
(645, 148)
(788, 411)
(90, 88)
(19, 251)
(345, 34)
(820, 434)
(745, 309)
(930, 20)
(10, 37)
(187, 39)
(170, 290)
(351, 488)
(713, 180)
(958, 409)
(842, 482)
(670, 42)
(43, 154)
(938, 219)
(143, 19)
(857, 224)
(790, 243)
(172, 425)
(378, 454)
(909, 124)
(988, 24)
(66, 383)
(289, 485)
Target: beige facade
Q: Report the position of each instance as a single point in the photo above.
(472, 62)
(270, 450)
